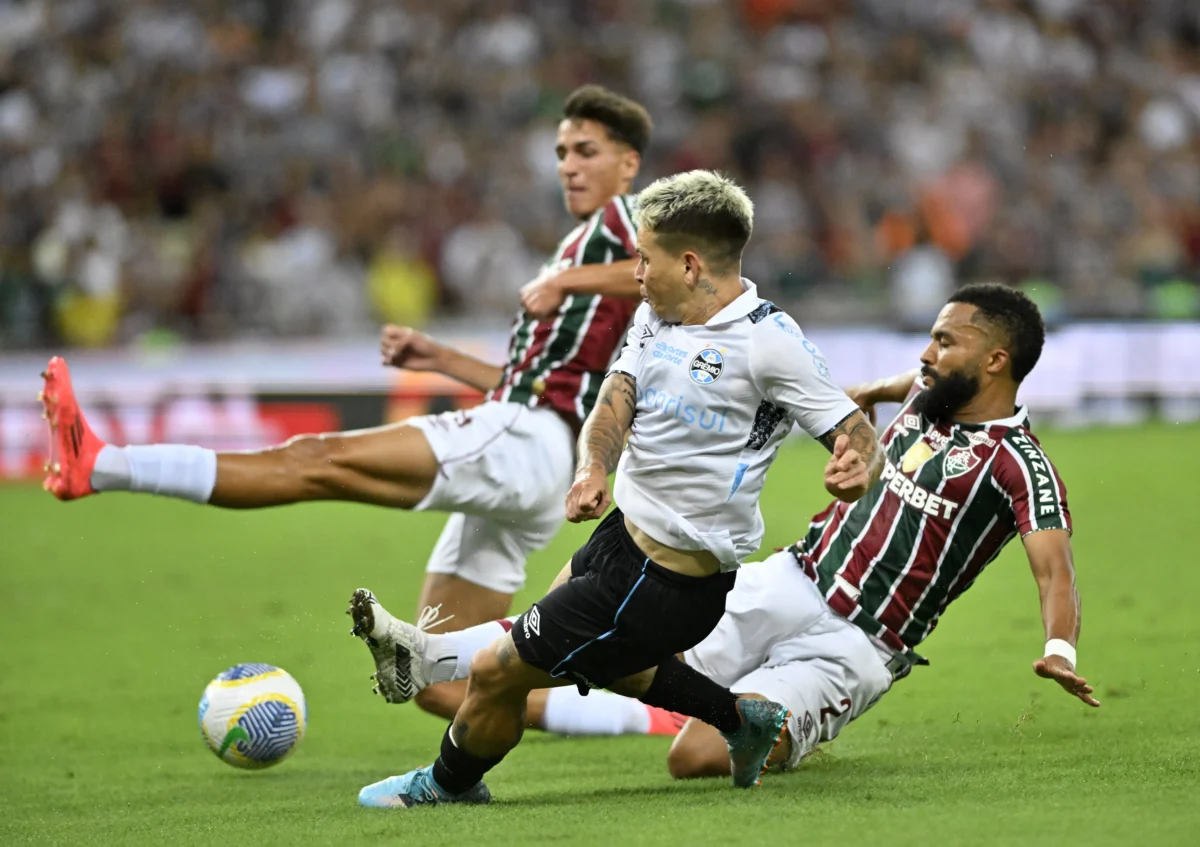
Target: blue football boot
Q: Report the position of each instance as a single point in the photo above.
(417, 788)
(763, 723)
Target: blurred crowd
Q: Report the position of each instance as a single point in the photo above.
(224, 168)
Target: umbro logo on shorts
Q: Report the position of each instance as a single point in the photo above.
(532, 622)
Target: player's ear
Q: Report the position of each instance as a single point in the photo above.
(631, 163)
(997, 362)
(691, 268)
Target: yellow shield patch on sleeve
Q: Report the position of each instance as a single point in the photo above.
(916, 456)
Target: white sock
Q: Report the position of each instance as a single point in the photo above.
(600, 713)
(448, 657)
(170, 470)
(111, 471)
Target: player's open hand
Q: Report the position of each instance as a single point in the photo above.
(404, 347)
(847, 476)
(1060, 670)
(543, 297)
(588, 498)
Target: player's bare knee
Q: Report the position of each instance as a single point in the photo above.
(305, 451)
(313, 459)
(489, 673)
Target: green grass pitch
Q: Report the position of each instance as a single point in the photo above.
(116, 611)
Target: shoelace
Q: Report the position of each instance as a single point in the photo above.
(429, 618)
(424, 780)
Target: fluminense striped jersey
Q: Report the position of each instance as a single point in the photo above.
(561, 361)
(949, 499)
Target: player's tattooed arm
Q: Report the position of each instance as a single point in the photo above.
(603, 435)
(861, 434)
(600, 446)
(857, 460)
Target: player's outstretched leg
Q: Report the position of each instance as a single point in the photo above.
(408, 657)
(386, 466)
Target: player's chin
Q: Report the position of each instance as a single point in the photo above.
(580, 203)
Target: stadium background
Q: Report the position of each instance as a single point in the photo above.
(188, 189)
(210, 206)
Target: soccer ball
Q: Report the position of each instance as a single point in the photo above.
(253, 715)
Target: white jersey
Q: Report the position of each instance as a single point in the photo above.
(714, 401)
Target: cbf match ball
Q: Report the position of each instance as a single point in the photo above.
(253, 716)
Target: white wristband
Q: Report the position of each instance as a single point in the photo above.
(1058, 647)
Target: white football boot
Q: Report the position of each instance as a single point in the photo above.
(401, 668)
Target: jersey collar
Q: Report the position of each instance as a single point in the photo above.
(1021, 418)
(745, 303)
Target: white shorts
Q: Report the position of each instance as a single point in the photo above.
(779, 638)
(505, 470)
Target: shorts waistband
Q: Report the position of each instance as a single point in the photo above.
(657, 570)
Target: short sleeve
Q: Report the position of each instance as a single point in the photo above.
(611, 234)
(619, 226)
(790, 372)
(640, 332)
(1032, 484)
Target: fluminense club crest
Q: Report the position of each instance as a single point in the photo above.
(959, 460)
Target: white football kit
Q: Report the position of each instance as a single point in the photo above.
(779, 638)
(714, 401)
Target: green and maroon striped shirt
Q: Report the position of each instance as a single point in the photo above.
(949, 499)
(561, 361)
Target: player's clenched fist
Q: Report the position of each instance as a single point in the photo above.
(847, 476)
(588, 498)
(404, 347)
(542, 297)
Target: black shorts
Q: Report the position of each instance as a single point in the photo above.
(618, 614)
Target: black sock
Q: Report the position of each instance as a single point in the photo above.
(678, 688)
(456, 770)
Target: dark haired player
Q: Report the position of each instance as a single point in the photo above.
(826, 626)
(501, 469)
